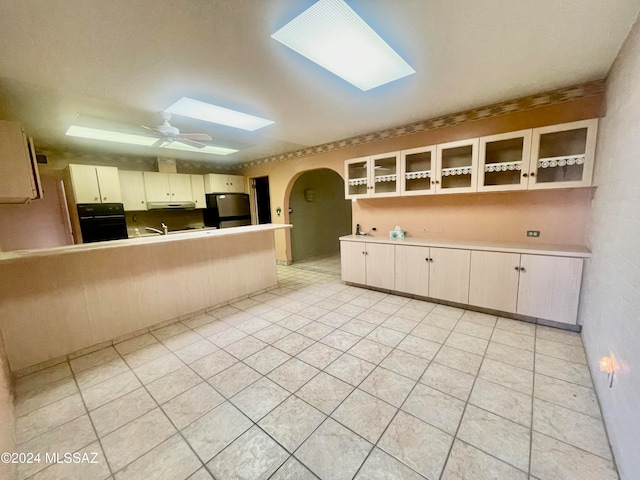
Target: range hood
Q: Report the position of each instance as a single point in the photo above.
(171, 205)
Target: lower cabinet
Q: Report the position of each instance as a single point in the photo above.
(441, 273)
(369, 264)
(541, 286)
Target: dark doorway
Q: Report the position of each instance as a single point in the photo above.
(263, 202)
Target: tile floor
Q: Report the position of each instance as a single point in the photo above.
(317, 379)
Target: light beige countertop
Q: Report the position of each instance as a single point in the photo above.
(578, 251)
(146, 240)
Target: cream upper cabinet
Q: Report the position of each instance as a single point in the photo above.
(412, 269)
(167, 187)
(457, 166)
(562, 156)
(504, 161)
(134, 196)
(19, 177)
(197, 191)
(493, 280)
(219, 183)
(369, 264)
(417, 171)
(374, 176)
(549, 287)
(156, 186)
(92, 184)
(180, 187)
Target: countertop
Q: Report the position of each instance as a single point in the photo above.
(578, 251)
(147, 240)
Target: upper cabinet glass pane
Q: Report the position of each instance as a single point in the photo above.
(419, 171)
(503, 162)
(385, 175)
(562, 156)
(457, 167)
(357, 177)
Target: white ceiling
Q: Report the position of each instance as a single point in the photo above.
(126, 60)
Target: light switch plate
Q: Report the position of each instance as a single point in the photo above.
(533, 233)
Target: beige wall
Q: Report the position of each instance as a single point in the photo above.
(564, 219)
(610, 307)
(7, 416)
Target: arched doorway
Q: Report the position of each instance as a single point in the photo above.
(319, 214)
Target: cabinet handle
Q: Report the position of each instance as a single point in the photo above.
(517, 269)
(433, 182)
(522, 269)
(142, 201)
(167, 193)
(437, 182)
(533, 174)
(95, 198)
(525, 175)
(104, 198)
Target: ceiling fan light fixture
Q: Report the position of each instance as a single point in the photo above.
(212, 149)
(188, 107)
(335, 37)
(110, 135)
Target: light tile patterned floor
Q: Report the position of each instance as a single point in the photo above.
(317, 379)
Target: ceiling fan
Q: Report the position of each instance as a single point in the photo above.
(169, 134)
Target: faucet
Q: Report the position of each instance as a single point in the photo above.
(151, 229)
(165, 229)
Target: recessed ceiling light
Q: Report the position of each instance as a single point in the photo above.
(332, 35)
(208, 149)
(188, 107)
(110, 136)
(133, 139)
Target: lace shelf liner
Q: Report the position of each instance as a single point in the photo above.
(502, 167)
(561, 161)
(417, 175)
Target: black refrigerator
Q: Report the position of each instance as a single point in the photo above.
(227, 210)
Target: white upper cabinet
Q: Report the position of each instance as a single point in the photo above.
(93, 184)
(504, 161)
(562, 156)
(218, 183)
(417, 171)
(167, 187)
(197, 191)
(180, 187)
(19, 177)
(134, 196)
(457, 166)
(374, 176)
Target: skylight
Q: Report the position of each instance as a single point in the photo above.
(332, 35)
(188, 107)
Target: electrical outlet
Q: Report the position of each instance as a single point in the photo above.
(439, 230)
(533, 233)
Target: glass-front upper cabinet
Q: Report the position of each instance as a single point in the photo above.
(504, 161)
(457, 166)
(417, 171)
(562, 155)
(375, 176)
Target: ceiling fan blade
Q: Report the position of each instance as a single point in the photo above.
(195, 136)
(191, 143)
(159, 143)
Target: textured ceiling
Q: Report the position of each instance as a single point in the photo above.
(126, 60)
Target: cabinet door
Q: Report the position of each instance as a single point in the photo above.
(449, 274)
(156, 186)
(380, 265)
(214, 183)
(457, 167)
(356, 174)
(412, 270)
(562, 155)
(19, 178)
(235, 184)
(132, 188)
(384, 171)
(197, 191)
(504, 161)
(109, 184)
(417, 171)
(180, 187)
(85, 183)
(494, 280)
(352, 262)
(549, 287)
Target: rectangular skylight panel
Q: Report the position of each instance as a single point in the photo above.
(213, 149)
(188, 107)
(332, 35)
(110, 136)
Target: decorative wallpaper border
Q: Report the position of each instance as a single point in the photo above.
(561, 95)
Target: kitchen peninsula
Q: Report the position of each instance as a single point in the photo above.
(56, 301)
